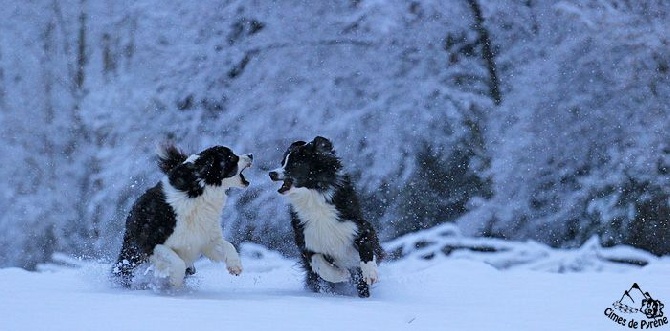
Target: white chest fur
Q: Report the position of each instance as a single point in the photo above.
(324, 232)
(198, 220)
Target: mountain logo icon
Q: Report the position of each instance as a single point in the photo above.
(635, 300)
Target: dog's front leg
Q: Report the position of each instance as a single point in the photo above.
(368, 263)
(223, 251)
(369, 272)
(168, 264)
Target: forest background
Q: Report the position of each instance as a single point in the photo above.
(524, 120)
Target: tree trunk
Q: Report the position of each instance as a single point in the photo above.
(487, 52)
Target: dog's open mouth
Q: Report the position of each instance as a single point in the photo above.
(244, 180)
(286, 186)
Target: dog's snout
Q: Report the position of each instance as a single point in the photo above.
(251, 156)
(274, 176)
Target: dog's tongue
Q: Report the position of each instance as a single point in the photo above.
(285, 186)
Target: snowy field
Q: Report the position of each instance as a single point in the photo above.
(467, 289)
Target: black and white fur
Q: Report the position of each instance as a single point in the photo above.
(172, 224)
(336, 243)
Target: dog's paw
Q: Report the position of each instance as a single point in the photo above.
(163, 271)
(369, 272)
(327, 271)
(225, 252)
(234, 265)
(167, 264)
(235, 270)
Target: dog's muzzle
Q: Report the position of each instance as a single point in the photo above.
(247, 160)
(275, 176)
(286, 186)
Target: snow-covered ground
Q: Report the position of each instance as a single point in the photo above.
(444, 292)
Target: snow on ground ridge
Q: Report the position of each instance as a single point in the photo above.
(446, 240)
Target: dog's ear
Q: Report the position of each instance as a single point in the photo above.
(169, 157)
(295, 146)
(322, 145)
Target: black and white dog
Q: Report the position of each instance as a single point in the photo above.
(336, 244)
(172, 224)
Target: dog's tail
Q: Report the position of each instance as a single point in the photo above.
(169, 157)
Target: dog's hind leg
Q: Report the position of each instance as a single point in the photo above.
(312, 281)
(223, 251)
(316, 284)
(168, 264)
(327, 271)
(122, 272)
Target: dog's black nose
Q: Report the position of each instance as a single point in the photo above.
(274, 176)
(251, 156)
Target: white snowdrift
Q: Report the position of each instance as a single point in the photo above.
(455, 292)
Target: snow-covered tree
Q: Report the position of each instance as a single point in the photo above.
(532, 119)
(580, 146)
